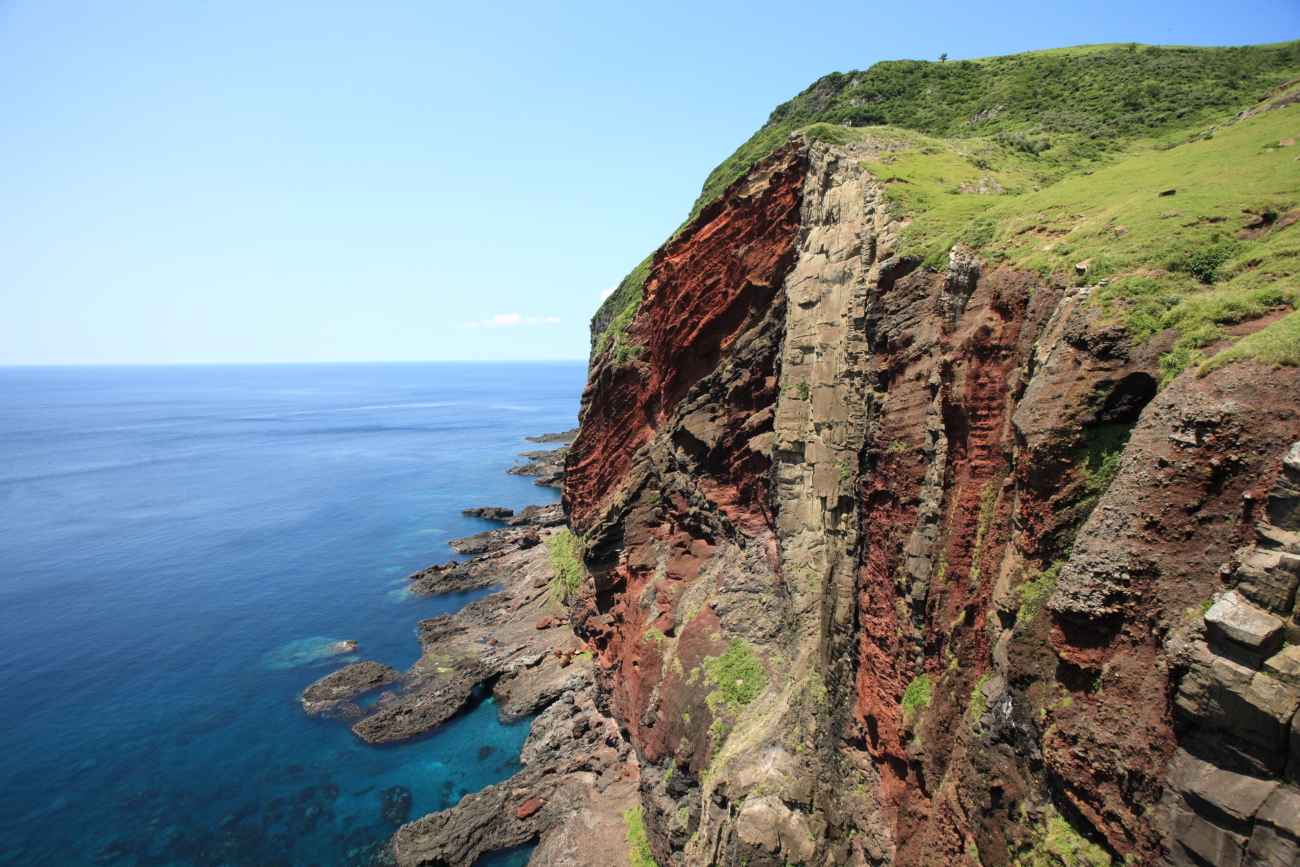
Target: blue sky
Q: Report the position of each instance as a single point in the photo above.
(229, 181)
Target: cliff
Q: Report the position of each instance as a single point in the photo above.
(938, 498)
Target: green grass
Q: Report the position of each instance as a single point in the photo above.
(640, 855)
(1277, 345)
(1099, 457)
(737, 672)
(1070, 147)
(1056, 843)
(1033, 594)
(916, 698)
(1187, 272)
(1086, 100)
(565, 552)
(617, 311)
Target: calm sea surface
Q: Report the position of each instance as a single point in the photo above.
(180, 546)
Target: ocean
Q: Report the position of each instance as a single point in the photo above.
(181, 549)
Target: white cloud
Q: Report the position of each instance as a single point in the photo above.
(607, 293)
(512, 319)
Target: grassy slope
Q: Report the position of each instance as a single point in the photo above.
(1028, 127)
(1169, 261)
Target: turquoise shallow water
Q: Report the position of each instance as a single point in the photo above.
(181, 546)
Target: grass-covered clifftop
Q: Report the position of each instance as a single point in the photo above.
(1091, 98)
(1050, 159)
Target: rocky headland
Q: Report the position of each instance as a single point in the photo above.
(936, 499)
(577, 775)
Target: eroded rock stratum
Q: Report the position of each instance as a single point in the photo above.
(874, 563)
(897, 565)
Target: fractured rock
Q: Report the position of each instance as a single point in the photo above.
(551, 515)
(1230, 697)
(494, 540)
(1231, 798)
(1270, 579)
(490, 513)
(1285, 666)
(326, 694)
(1242, 626)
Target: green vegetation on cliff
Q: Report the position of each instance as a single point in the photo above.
(1053, 161)
(1091, 98)
(565, 553)
(640, 854)
(737, 672)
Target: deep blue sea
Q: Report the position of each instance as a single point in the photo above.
(180, 546)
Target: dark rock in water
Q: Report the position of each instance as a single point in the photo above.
(564, 813)
(547, 456)
(536, 468)
(478, 572)
(494, 540)
(551, 515)
(548, 465)
(395, 805)
(489, 513)
(451, 577)
(485, 751)
(415, 714)
(567, 436)
(331, 691)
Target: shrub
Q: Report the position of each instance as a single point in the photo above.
(737, 672)
(916, 698)
(1205, 263)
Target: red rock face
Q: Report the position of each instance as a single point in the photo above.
(1050, 689)
(706, 288)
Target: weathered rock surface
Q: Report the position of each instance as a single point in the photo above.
(539, 516)
(887, 565)
(578, 778)
(567, 436)
(331, 692)
(884, 487)
(489, 513)
(494, 540)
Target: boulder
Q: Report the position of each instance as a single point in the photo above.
(1269, 579)
(1243, 626)
(529, 807)
(1284, 667)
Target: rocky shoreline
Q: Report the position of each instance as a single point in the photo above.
(578, 774)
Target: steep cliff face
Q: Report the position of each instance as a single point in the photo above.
(905, 565)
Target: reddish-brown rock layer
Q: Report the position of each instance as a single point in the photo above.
(706, 288)
(993, 683)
